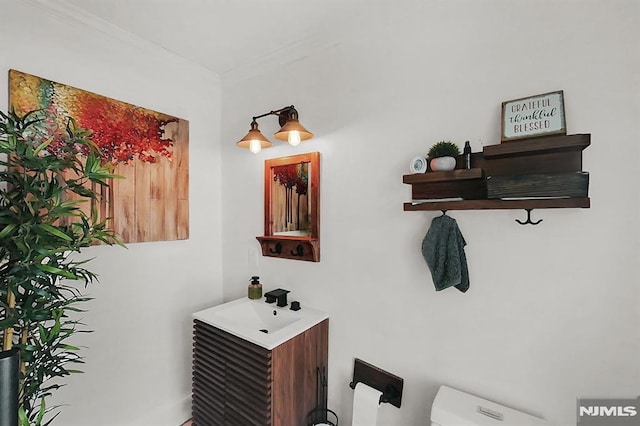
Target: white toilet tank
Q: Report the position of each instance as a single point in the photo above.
(455, 408)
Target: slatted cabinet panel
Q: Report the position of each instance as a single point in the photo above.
(231, 380)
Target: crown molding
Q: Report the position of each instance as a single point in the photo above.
(274, 60)
(66, 11)
(62, 10)
(270, 61)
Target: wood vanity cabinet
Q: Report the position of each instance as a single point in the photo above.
(238, 383)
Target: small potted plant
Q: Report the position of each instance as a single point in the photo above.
(442, 156)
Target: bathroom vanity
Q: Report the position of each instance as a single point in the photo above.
(257, 364)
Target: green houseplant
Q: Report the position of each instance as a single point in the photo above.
(46, 183)
(442, 156)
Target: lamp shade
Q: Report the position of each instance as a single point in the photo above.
(254, 140)
(292, 131)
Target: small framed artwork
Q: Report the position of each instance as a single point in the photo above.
(539, 115)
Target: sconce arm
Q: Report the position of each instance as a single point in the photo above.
(282, 113)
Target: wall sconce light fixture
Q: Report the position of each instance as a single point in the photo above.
(290, 130)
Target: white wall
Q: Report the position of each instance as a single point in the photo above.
(138, 360)
(552, 313)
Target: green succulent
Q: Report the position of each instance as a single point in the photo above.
(444, 149)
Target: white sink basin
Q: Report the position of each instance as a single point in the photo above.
(256, 321)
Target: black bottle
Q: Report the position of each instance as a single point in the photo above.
(467, 155)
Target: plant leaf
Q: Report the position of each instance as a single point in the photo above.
(55, 231)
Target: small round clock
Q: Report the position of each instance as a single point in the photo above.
(418, 165)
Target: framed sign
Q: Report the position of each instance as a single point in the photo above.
(540, 115)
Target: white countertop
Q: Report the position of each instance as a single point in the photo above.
(245, 318)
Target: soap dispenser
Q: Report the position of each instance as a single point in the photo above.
(255, 288)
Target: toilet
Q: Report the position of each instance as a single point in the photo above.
(452, 407)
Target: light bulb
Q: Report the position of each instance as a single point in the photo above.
(294, 138)
(255, 146)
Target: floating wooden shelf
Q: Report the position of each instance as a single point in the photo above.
(551, 203)
(543, 156)
(547, 145)
(468, 184)
(296, 248)
(460, 174)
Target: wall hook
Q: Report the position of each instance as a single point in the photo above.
(278, 249)
(528, 221)
(299, 251)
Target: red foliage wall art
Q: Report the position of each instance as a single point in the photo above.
(124, 133)
(148, 148)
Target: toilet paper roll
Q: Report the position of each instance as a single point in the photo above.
(366, 401)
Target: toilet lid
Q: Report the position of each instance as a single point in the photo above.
(453, 407)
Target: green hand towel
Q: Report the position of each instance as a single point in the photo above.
(443, 250)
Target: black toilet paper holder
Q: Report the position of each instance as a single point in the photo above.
(389, 384)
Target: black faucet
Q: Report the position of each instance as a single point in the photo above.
(279, 294)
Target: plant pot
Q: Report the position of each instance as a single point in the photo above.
(9, 363)
(442, 164)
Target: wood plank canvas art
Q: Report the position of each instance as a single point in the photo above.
(149, 149)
